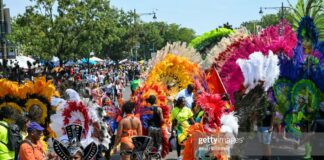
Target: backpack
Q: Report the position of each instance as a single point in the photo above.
(14, 137)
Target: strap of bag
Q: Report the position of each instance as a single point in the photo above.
(7, 127)
(28, 142)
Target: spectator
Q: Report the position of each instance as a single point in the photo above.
(5, 153)
(188, 95)
(135, 83)
(31, 148)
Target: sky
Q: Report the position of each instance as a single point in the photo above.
(200, 15)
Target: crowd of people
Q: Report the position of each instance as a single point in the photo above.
(123, 120)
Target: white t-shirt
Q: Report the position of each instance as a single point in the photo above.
(189, 98)
(101, 79)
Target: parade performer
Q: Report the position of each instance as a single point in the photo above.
(73, 149)
(181, 117)
(215, 123)
(128, 127)
(32, 98)
(75, 112)
(145, 105)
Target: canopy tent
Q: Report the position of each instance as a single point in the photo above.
(22, 62)
(70, 63)
(97, 59)
(123, 61)
(55, 61)
(92, 62)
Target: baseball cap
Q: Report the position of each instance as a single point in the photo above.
(34, 126)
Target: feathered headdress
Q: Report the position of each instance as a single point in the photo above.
(216, 53)
(74, 133)
(159, 91)
(70, 112)
(38, 102)
(174, 70)
(214, 107)
(10, 95)
(177, 49)
(259, 68)
(268, 39)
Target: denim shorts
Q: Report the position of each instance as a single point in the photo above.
(265, 135)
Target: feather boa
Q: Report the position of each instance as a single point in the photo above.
(165, 143)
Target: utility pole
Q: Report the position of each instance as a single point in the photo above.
(282, 8)
(2, 34)
(6, 49)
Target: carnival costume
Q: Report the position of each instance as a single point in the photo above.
(145, 112)
(75, 112)
(32, 98)
(74, 134)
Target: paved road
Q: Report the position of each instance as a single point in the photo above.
(295, 154)
(126, 96)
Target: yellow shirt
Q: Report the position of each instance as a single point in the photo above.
(5, 154)
(181, 114)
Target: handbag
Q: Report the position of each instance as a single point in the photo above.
(173, 138)
(172, 143)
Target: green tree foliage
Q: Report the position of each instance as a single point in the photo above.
(254, 26)
(74, 28)
(226, 25)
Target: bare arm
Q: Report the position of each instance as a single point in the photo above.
(192, 121)
(161, 115)
(119, 133)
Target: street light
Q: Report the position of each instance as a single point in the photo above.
(281, 16)
(137, 45)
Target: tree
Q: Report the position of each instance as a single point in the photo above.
(267, 20)
(251, 26)
(72, 29)
(78, 28)
(226, 25)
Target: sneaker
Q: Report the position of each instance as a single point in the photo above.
(179, 158)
